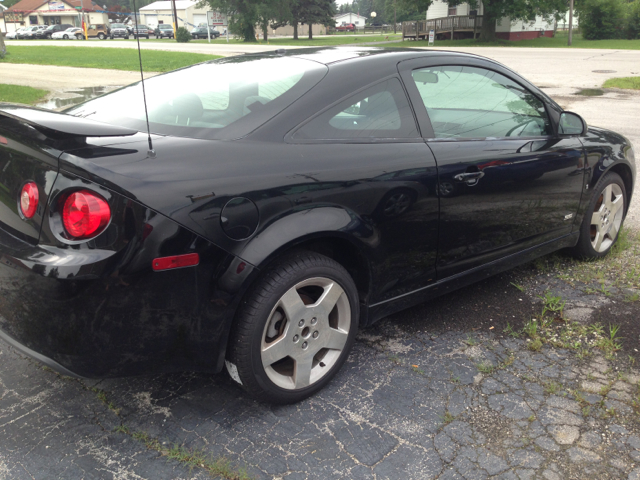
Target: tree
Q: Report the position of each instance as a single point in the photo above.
(316, 11)
(295, 12)
(601, 19)
(243, 15)
(495, 10)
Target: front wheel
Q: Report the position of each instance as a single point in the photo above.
(295, 329)
(65, 37)
(603, 218)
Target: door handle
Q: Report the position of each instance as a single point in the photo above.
(469, 178)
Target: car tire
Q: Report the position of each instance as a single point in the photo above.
(126, 37)
(101, 36)
(307, 306)
(65, 37)
(603, 218)
(395, 203)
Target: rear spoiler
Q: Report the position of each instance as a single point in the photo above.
(62, 123)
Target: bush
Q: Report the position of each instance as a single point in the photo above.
(182, 35)
(633, 21)
(602, 19)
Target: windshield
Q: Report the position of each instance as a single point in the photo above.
(222, 99)
(117, 25)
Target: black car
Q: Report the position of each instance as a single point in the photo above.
(275, 210)
(51, 29)
(201, 32)
(164, 30)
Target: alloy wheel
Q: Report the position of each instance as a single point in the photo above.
(606, 219)
(397, 204)
(305, 334)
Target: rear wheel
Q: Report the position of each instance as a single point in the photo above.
(295, 328)
(603, 218)
(101, 36)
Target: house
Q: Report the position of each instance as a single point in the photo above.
(53, 12)
(346, 18)
(506, 29)
(189, 14)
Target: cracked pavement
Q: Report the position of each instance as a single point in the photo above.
(412, 401)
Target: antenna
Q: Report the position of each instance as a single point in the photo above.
(151, 153)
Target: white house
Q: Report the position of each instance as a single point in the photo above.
(505, 28)
(346, 18)
(189, 15)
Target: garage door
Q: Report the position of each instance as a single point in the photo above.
(199, 18)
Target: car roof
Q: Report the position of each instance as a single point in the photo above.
(331, 55)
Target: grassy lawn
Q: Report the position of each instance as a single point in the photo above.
(302, 42)
(18, 94)
(632, 83)
(112, 58)
(559, 41)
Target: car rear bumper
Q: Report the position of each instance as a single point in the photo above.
(116, 324)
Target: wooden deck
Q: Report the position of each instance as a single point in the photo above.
(419, 30)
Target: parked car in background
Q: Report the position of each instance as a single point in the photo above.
(141, 31)
(98, 30)
(73, 32)
(164, 30)
(201, 32)
(30, 32)
(13, 35)
(119, 30)
(347, 27)
(51, 29)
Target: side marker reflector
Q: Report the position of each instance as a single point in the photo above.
(177, 261)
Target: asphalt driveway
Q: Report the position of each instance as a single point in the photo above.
(444, 390)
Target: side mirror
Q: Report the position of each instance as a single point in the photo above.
(572, 124)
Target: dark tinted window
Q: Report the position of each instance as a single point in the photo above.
(222, 99)
(470, 102)
(381, 111)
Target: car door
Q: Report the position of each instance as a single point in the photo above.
(366, 155)
(506, 180)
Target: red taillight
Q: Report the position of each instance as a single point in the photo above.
(29, 199)
(177, 261)
(85, 214)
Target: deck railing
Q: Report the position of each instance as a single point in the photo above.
(420, 28)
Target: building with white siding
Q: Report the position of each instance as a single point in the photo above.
(505, 28)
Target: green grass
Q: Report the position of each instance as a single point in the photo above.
(632, 83)
(330, 40)
(19, 94)
(559, 41)
(111, 58)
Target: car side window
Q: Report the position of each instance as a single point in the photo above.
(471, 102)
(380, 111)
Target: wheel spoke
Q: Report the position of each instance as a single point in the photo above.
(275, 351)
(598, 241)
(613, 231)
(336, 339)
(596, 219)
(330, 297)
(616, 205)
(302, 375)
(292, 304)
(607, 193)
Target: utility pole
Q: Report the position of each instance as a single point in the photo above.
(175, 20)
(395, 21)
(570, 22)
(83, 24)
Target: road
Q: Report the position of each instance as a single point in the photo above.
(435, 392)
